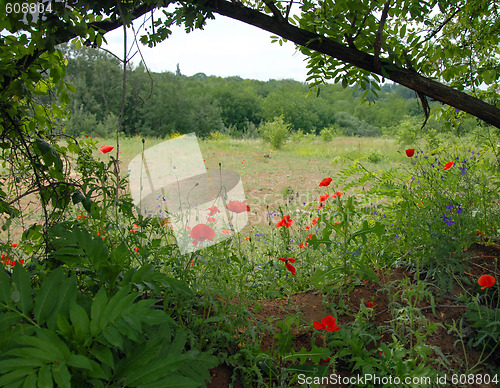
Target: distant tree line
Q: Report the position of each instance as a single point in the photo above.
(159, 104)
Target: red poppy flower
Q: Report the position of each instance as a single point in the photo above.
(211, 219)
(285, 221)
(202, 232)
(336, 223)
(326, 182)
(309, 236)
(337, 194)
(105, 149)
(448, 165)
(314, 221)
(303, 245)
(132, 231)
(288, 264)
(370, 304)
(238, 206)
(136, 249)
(21, 261)
(410, 152)
(14, 245)
(479, 233)
(328, 323)
(486, 281)
(308, 227)
(323, 197)
(213, 210)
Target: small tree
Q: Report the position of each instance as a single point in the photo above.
(275, 132)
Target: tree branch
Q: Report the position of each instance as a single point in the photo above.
(377, 45)
(445, 22)
(276, 12)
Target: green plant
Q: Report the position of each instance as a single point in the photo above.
(275, 132)
(56, 334)
(375, 156)
(327, 134)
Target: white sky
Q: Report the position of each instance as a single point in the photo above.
(225, 47)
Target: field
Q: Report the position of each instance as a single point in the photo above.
(387, 269)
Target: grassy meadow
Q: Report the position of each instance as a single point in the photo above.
(361, 256)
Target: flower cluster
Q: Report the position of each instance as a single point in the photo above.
(286, 221)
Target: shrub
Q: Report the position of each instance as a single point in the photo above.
(352, 126)
(327, 134)
(275, 132)
(216, 135)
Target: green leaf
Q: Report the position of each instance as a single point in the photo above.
(14, 376)
(15, 363)
(45, 377)
(63, 325)
(104, 355)
(5, 292)
(61, 375)
(67, 293)
(156, 369)
(22, 281)
(98, 320)
(172, 381)
(119, 302)
(77, 197)
(112, 335)
(79, 361)
(80, 321)
(48, 295)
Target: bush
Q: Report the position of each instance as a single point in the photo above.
(327, 134)
(352, 126)
(375, 156)
(275, 132)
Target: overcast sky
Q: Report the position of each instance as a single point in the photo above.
(225, 47)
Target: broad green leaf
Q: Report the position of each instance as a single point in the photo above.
(5, 292)
(80, 321)
(97, 313)
(79, 361)
(61, 375)
(14, 363)
(172, 381)
(104, 355)
(21, 280)
(63, 325)
(156, 369)
(179, 342)
(66, 296)
(30, 380)
(117, 303)
(17, 375)
(45, 377)
(32, 353)
(47, 296)
(112, 335)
